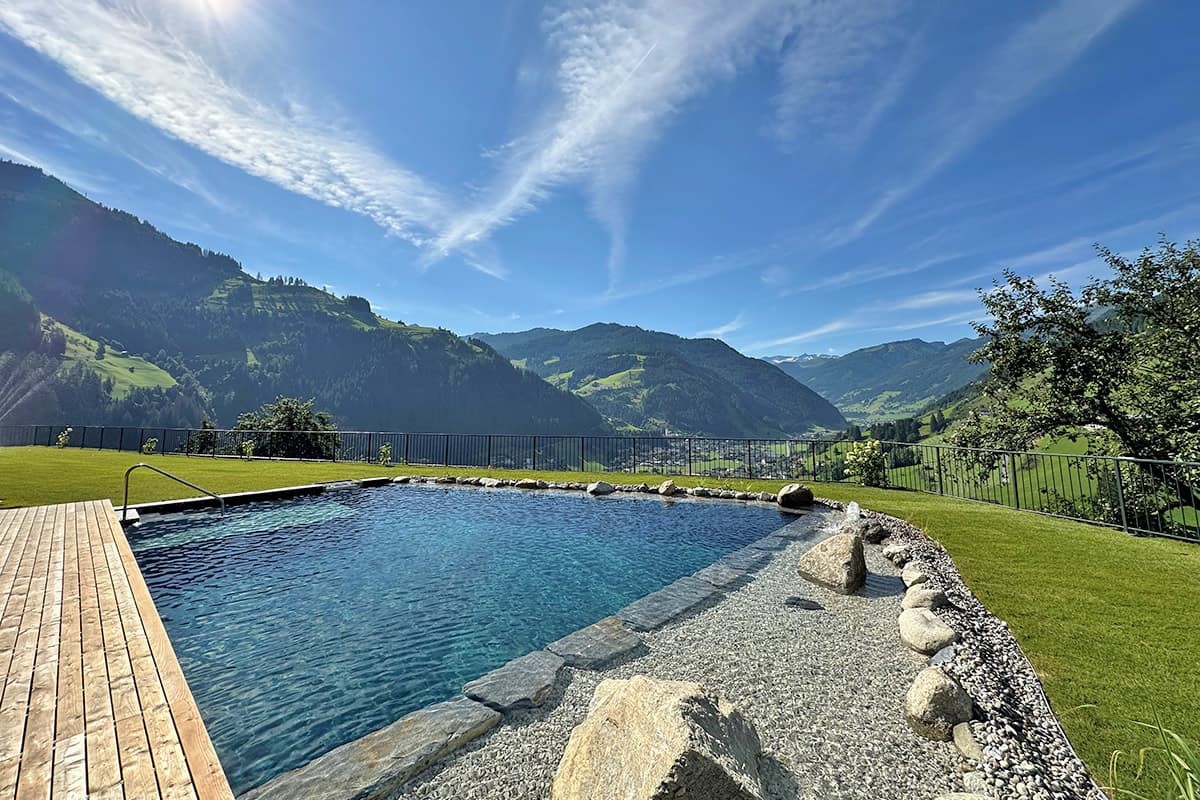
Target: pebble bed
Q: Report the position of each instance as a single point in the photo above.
(824, 688)
(1026, 754)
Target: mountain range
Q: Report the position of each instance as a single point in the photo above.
(138, 328)
(106, 320)
(889, 380)
(653, 382)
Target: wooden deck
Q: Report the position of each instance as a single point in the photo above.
(94, 702)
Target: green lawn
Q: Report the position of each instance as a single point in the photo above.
(1108, 620)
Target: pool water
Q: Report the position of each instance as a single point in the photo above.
(307, 623)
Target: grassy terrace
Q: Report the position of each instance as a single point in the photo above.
(1108, 620)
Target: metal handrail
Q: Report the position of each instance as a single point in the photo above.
(163, 472)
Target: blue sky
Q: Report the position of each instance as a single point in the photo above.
(789, 176)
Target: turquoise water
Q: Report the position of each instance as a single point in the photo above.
(306, 623)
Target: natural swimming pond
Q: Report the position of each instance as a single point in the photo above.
(307, 623)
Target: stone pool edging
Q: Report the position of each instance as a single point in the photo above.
(376, 765)
(1016, 745)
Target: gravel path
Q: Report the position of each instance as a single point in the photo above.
(825, 690)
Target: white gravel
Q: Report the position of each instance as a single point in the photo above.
(825, 690)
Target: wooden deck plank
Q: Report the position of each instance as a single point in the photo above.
(100, 726)
(69, 771)
(93, 701)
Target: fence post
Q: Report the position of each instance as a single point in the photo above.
(1121, 494)
(582, 466)
(1012, 480)
(83, 437)
(370, 446)
(749, 464)
(49, 435)
(941, 475)
(535, 452)
(689, 455)
(162, 445)
(407, 435)
(446, 449)
(187, 447)
(634, 455)
(121, 439)
(100, 446)
(489, 445)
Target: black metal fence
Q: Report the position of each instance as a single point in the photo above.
(1139, 496)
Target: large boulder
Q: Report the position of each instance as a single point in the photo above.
(896, 553)
(526, 483)
(667, 488)
(922, 596)
(836, 563)
(935, 704)
(600, 487)
(869, 530)
(914, 574)
(646, 739)
(795, 495)
(922, 631)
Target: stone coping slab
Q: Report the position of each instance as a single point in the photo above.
(597, 645)
(750, 559)
(376, 765)
(524, 682)
(668, 603)
(723, 576)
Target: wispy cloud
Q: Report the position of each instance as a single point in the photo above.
(1029, 60)
(623, 71)
(735, 324)
(126, 54)
(839, 72)
(835, 326)
(935, 298)
(854, 277)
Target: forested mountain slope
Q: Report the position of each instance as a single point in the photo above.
(219, 340)
(650, 381)
(889, 380)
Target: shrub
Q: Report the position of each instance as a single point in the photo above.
(248, 449)
(385, 455)
(149, 446)
(865, 463)
(64, 438)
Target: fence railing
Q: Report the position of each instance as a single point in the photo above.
(1147, 497)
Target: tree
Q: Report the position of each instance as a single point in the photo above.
(100, 351)
(290, 428)
(1120, 357)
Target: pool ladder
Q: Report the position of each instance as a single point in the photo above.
(163, 472)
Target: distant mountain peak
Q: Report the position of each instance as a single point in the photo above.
(652, 381)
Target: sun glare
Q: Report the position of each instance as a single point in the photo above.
(214, 10)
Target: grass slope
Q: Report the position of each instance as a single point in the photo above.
(1108, 620)
(127, 372)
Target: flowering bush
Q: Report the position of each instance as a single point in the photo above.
(248, 449)
(64, 438)
(865, 462)
(149, 446)
(385, 455)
